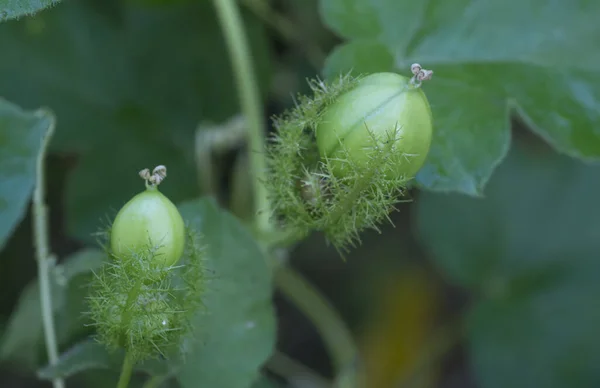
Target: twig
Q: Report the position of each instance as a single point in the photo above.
(328, 323)
(287, 29)
(44, 259)
(126, 371)
(285, 366)
(250, 99)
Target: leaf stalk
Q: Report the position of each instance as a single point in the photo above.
(237, 43)
(43, 256)
(126, 371)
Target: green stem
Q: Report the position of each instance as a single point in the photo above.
(239, 203)
(287, 29)
(328, 323)
(232, 26)
(281, 238)
(216, 139)
(154, 382)
(287, 367)
(126, 371)
(127, 313)
(349, 199)
(44, 261)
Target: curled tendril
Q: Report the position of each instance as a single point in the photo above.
(306, 193)
(145, 308)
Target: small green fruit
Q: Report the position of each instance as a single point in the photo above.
(375, 108)
(149, 221)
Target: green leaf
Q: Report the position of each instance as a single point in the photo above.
(130, 82)
(24, 333)
(546, 338)
(540, 62)
(83, 356)
(21, 137)
(265, 382)
(237, 334)
(91, 355)
(530, 250)
(13, 9)
(365, 56)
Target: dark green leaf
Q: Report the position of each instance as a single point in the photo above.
(530, 250)
(237, 334)
(547, 338)
(24, 333)
(542, 60)
(83, 356)
(365, 56)
(130, 82)
(12, 9)
(21, 137)
(89, 355)
(265, 382)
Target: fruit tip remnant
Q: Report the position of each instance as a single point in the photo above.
(419, 74)
(158, 175)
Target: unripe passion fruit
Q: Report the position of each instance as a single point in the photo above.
(149, 221)
(379, 105)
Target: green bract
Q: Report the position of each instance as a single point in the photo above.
(141, 301)
(382, 107)
(149, 221)
(341, 160)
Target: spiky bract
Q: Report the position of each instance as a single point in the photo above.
(146, 308)
(307, 193)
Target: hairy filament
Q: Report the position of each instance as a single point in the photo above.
(145, 308)
(309, 193)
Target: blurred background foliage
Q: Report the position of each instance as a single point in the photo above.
(489, 277)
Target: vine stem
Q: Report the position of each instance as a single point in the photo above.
(285, 366)
(126, 316)
(237, 44)
(328, 323)
(155, 381)
(323, 316)
(126, 371)
(44, 259)
(286, 29)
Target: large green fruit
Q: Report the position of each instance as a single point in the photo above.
(379, 104)
(149, 222)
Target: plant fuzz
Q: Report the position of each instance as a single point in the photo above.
(308, 191)
(145, 308)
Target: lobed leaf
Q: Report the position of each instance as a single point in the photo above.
(489, 62)
(529, 250)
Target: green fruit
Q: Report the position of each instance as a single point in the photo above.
(149, 222)
(373, 109)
